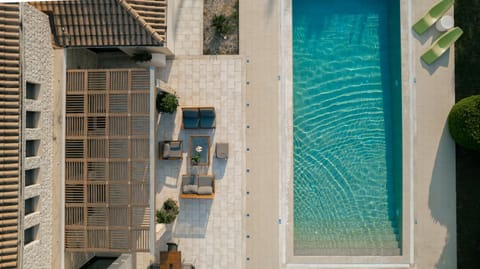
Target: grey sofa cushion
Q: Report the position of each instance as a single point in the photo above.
(189, 184)
(190, 188)
(205, 190)
(189, 180)
(204, 181)
(166, 150)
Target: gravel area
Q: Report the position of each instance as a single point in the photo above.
(214, 43)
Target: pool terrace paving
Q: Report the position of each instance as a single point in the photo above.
(210, 232)
(213, 231)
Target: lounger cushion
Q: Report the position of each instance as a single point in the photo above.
(205, 190)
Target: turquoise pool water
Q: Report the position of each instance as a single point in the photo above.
(347, 128)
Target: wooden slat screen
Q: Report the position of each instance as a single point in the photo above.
(10, 135)
(107, 160)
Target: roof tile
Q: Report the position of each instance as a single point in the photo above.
(94, 23)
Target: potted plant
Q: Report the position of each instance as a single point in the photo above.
(168, 213)
(196, 158)
(142, 58)
(167, 102)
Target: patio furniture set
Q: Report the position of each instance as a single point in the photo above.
(195, 186)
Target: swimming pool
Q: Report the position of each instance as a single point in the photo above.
(347, 128)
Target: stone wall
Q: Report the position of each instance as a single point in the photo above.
(37, 68)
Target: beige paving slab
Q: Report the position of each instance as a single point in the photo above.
(259, 43)
(188, 27)
(434, 159)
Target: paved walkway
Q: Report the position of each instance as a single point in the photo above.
(259, 43)
(188, 30)
(434, 160)
(209, 231)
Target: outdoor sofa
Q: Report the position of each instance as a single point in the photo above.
(198, 187)
(198, 118)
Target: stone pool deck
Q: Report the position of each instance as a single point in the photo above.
(432, 97)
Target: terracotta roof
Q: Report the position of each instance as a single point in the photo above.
(98, 23)
(9, 132)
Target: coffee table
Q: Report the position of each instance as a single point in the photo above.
(199, 146)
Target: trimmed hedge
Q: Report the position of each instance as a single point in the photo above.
(464, 122)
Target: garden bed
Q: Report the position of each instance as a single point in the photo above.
(220, 27)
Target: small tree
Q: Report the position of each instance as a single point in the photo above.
(464, 122)
(168, 213)
(167, 102)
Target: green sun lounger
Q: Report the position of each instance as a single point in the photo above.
(432, 16)
(441, 45)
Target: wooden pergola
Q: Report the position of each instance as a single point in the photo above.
(107, 165)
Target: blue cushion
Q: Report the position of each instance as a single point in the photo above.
(190, 123)
(207, 113)
(190, 113)
(207, 123)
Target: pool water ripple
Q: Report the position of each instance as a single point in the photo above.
(343, 180)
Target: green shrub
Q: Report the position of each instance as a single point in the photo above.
(167, 102)
(223, 25)
(464, 122)
(142, 56)
(168, 213)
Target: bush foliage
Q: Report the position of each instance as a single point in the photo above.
(168, 213)
(464, 122)
(167, 102)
